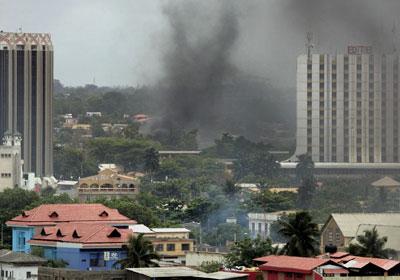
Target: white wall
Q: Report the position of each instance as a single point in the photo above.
(19, 272)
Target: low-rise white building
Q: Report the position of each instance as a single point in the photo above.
(18, 266)
(260, 223)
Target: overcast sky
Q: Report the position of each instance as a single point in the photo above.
(113, 42)
(121, 42)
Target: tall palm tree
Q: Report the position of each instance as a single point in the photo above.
(370, 245)
(301, 234)
(305, 167)
(140, 253)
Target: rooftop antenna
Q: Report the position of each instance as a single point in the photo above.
(309, 44)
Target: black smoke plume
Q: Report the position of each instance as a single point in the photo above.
(197, 63)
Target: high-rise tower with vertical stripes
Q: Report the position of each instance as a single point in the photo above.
(348, 106)
(26, 92)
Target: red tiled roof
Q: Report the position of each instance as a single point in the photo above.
(382, 263)
(359, 262)
(291, 264)
(339, 255)
(87, 234)
(336, 271)
(51, 214)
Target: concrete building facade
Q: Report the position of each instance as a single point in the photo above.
(347, 107)
(10, 162)
(26, 91)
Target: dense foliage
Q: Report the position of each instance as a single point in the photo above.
(245, 251)
(302, 234)
(371, 245)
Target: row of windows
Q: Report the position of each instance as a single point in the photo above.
(260, 227)
(5, 175)
(5, 155)
(330, 236)
(171, 247)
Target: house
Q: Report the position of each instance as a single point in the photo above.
(340, 229)
(84, 246)
(14, 265)
(387, 183)
(184, 273)
(68, 187)
(25, 225)
(340, 264)
(365, 266)
(108, 183)
(299, 268)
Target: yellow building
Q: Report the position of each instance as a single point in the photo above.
(169, 243)
(107, 183)
(172, 242)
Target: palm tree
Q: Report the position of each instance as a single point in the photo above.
(305, 167)
(301, 233)
(370, 245)
(140, 253)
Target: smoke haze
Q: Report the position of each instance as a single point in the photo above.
(235, 55)
(198, 62)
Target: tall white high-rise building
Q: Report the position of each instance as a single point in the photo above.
(348, 106)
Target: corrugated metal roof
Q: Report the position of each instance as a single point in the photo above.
(349, 223)
(170, 230)
(182, 271)
(140, 228)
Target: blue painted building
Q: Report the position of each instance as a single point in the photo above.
(86, 259)
(20, 235)
(83, 246)
(30, 222)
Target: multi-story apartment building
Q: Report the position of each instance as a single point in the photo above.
(26, 90)
(10, 161)
(348, 106)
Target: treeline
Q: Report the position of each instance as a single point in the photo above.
(250, 107)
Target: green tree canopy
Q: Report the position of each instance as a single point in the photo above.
(245, 251)
(302, 234)
(370, 245)
(140, 253)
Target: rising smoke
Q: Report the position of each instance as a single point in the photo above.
(197, 63)
(230, 66)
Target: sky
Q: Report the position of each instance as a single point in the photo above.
(109, 42)
(123, 42)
